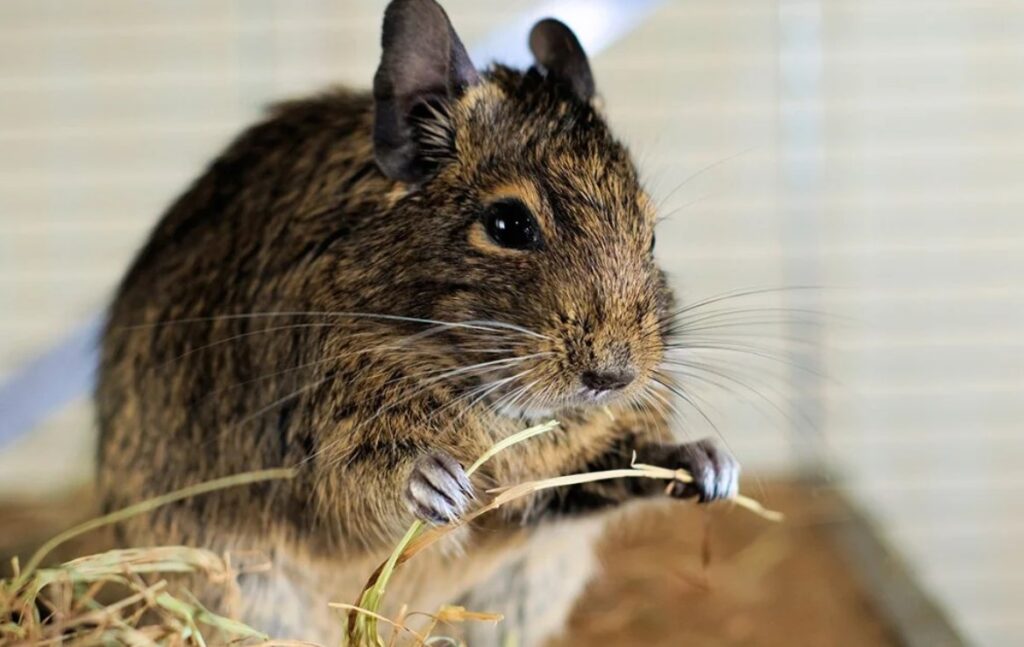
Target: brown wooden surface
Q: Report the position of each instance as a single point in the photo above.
(685, 576)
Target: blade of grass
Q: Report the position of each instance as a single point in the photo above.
(351, 608)
(147, 506)
(363, 627)
(514, 439)
(511, 493)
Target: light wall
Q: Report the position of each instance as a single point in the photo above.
(872, 149)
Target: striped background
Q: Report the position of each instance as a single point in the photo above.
(870, 146)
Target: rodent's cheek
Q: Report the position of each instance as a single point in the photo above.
(553, 383)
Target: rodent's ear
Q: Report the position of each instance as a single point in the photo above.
(423, 66)
(559, 54)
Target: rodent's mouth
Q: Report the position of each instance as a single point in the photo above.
(596, 397)
(581, 398)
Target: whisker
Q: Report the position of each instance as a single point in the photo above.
(270, 407)
(741, 350)
(472, 369)
(400, 345)
(472, 324)
(676, 418)
(498, 384)
(640, 402)
(421, 387)
(701, 171)
(679, 391)
(737, 294)
(251, 333)
(745, 388)
(508, 402)
(731, 333)
(665, 381)
(668, 215)
(769, 316)
(461, 398)
(478, 394)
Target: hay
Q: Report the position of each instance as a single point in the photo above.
(362, 628)
(66, 604)
(363, 616)
(63, 604)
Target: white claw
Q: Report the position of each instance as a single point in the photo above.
(438, 490)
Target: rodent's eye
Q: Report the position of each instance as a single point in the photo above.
(654, 239)
(510, 224)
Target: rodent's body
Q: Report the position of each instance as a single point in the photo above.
(300, 307)
(181, 402)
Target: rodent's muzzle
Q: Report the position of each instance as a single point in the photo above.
(603, 384)
(608, 380)
(606, 371)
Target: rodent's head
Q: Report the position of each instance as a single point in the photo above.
(525, 208)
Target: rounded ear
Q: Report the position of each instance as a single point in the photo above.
(559, 54)
(423, 66)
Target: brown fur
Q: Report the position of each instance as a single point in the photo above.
(204, 373)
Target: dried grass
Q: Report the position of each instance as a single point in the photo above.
(363, 616)
(68, 604)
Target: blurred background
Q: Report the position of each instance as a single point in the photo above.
(868, 149)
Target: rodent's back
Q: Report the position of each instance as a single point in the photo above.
(279, 173)
(245, 238)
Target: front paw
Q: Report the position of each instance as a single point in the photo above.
(715, 472)
(438, 490)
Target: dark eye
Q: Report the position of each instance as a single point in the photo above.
(653, 240)
(510, 224)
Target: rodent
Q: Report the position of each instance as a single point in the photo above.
(376, 287)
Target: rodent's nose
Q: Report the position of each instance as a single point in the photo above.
(611, 380)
